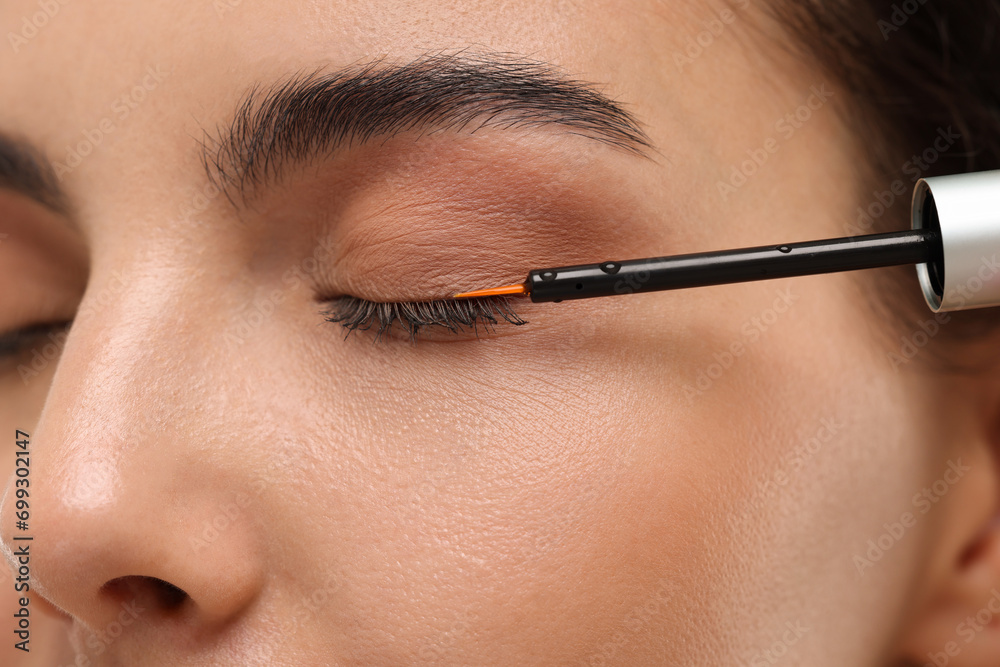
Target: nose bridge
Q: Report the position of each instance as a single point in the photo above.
(119, 476)
(141, 337)
(154, 320)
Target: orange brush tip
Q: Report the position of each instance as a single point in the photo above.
(494, 291)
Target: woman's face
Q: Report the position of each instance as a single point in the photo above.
(677, 477)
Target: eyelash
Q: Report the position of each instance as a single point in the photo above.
(15, 343)
(455, 315)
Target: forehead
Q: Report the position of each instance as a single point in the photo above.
(97, 53)
(71, 66)
(139, 84)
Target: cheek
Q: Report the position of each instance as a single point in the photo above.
(501, 485)
(794, 414)
(635, 473)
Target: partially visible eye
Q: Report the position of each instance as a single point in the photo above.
(17, 343)
(449, 316)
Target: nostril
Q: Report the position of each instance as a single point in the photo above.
(147, 592)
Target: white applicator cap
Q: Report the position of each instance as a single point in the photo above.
(965, 210)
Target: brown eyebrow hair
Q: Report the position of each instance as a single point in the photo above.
(315, 113)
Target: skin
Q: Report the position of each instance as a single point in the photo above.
(560, 493)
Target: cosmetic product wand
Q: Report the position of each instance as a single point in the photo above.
(954, 240)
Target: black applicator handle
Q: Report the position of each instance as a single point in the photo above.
(584, 281)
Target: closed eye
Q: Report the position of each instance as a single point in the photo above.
(448, 316)
(15, 344)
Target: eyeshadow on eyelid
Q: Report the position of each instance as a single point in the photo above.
(515, 202)
(433, 260)
(432, 232)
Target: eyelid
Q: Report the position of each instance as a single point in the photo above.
(451, 316)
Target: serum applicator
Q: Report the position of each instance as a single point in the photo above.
(954, 242)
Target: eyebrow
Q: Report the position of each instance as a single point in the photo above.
(25, 170)
(314, 114)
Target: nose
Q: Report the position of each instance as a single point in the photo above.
(122, 483)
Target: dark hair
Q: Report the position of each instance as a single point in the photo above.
(912, 69)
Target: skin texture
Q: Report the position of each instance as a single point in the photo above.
(601, 486)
